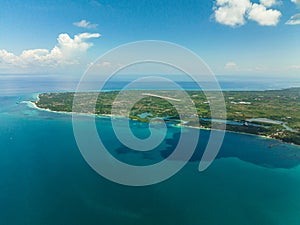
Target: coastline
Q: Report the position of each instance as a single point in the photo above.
(33, 104)
(243, 133)
(235, 132)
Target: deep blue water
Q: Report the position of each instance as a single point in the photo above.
(44, 179)
(12, 85)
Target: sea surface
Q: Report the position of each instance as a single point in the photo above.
(11, 85)
(45, 181)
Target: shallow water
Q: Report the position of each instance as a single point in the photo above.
(44, 179)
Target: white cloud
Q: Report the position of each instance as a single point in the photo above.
(7, 57)
(100, 64)
(264, 16)
(296, 2)
(85, 24)
(67, 51)
(268, 3)
(231, 65)
(78, 43)
(294, 20)
(106, 64)
(95, 3)
(231, 12)
(294, 67)
(235, 12)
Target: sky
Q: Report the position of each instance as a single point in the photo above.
(233, 37)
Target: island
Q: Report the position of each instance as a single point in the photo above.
(271, 113)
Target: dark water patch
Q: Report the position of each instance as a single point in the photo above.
(259, 151)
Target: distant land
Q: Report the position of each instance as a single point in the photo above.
(273, 113)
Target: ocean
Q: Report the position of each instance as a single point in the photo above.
(46, 181)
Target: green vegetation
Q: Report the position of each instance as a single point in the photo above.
(276, 113)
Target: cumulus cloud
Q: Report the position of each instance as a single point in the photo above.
(294, 20)
(7, 57)
(231, 12)
(67, 51)
(85, 24)
(268, 3)
(296, 2)
(78, 43)
(294, 67)
(235, 12)
(100, 64)
(264, 16)
(231, 65)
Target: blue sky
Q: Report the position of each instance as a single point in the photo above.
(239, 37)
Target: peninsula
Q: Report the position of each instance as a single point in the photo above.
(272, 113)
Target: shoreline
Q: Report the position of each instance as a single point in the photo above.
(32, 104)
(243, 133)
(235, 132)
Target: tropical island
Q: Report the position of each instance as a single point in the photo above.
(272, 113)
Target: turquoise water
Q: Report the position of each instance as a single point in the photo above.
(44, 179)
